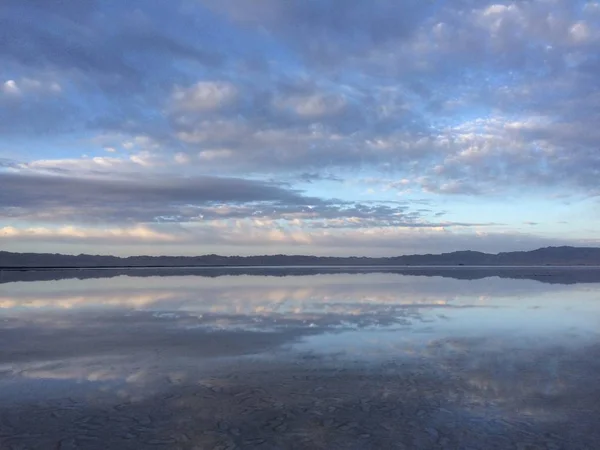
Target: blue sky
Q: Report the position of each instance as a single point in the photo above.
(316, 127)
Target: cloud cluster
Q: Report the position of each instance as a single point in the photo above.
(56, 198)
(186, 111)
(141, 200)
(247, 237)
(446, 60)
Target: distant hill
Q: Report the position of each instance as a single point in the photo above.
(554, 256)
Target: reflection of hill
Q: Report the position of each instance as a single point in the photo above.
(553, 275)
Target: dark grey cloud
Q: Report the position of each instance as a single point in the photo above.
(59, 198)
(44, 192)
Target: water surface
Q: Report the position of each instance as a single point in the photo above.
(300, 358)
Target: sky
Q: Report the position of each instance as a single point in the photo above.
(323, 127)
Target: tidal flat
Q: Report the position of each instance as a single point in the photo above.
(316, 359)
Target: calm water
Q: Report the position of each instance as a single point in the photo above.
(299, 359)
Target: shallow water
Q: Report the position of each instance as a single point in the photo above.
(300, 358)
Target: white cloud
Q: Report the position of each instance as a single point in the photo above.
(10, 87)
(182, 158)
(204, 96)
(580, 32)
(211, 131)
(80, 166)
(313, 106)
(497, 9)
(29, 85)
(213, 154)
(145, 159)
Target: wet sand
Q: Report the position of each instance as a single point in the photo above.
(344, 364)
(453, 401)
